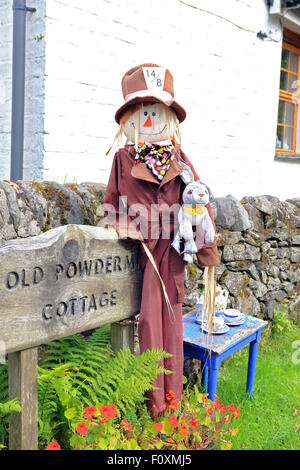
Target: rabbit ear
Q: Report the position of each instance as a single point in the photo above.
(186, 175)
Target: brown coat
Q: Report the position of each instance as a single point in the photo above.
(140, 186)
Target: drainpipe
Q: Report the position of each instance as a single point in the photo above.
(18, 88)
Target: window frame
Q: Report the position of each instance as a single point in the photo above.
(290, 97)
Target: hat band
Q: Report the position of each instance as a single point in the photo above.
(160, 94)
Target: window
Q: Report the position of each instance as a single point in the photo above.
(287, 140)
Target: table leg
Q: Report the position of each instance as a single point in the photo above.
(253, 349)
(212, 381)
(205, 375)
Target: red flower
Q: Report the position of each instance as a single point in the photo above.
(174, 405)
(126, 425)
(158, 426)
(102, 420)
(90, 412)
(194, 423)
(204, 399)
(170, 395)
(173, 421)
(82, 429)
(222, 408)
(237, 413)
(210, 411)
(183, 430)
(53, 445)
(108, 411)
(231, 407)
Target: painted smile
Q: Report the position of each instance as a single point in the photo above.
(151, 133)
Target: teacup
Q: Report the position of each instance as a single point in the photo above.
(232, 314)
(218, 323)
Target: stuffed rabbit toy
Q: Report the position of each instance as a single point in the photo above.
(193, 212)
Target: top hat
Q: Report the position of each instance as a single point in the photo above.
(149, 82)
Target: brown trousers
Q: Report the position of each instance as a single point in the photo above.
(157, 326)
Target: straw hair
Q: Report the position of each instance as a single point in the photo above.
(209, 297)
(166, 115)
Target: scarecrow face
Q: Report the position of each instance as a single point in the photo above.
(151, 123)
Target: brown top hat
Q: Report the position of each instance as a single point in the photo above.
(149, 82)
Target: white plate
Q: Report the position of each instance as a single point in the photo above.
(216, 332)
(236, 322)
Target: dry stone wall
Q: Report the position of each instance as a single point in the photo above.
(258, 238)
(259, 247)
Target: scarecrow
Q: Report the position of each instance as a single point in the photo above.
(143, 188)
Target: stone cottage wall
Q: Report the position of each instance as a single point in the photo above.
(258, 238)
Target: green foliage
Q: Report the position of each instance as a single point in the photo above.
(78, 371)
(271, 420)
(6, 409)
(280, 323)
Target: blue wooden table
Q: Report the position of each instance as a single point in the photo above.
(214, 349)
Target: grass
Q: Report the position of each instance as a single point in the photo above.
(271, 420)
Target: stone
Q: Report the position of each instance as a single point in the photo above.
(231, 214)
(283, 264)
(37, 202)
(295, 254)
(293, 274)
(283, 275)
(252, 253)
(234, 252)
(225, 237)
(273, 252)
(279, 295)
(270, 307)
(283, 252)
(273, 270)
(277, 234)
(220, 269)
(262, 203)
(255, 216)
(248, 237)
(295, 201)
(12, 202)
(283, 243)
(288, 287)
(264, 277)
(273, 283)
(7, 230)
(296, 239)
(247, 304)
(234, 282)
(258, 288)
(28, 225)
(265, 247)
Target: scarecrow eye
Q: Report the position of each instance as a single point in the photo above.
(190, 191)
(153, 114)
(145, 113)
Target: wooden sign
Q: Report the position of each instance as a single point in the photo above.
(69, 279)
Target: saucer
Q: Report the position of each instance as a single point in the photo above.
(237, 321)
(216, 332)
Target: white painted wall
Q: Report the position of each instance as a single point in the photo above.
(5, 86)
(225, 77)
(34, 89)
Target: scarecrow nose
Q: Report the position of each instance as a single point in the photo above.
(148, 122)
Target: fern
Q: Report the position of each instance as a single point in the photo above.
(79, 371)
(11, 406)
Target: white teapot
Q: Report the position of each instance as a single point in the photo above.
(221, 299)
(220, 302)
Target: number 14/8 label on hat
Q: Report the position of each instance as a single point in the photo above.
(154, 77)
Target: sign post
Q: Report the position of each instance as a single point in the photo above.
(70, 279)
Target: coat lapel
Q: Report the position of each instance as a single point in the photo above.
(140, 171)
